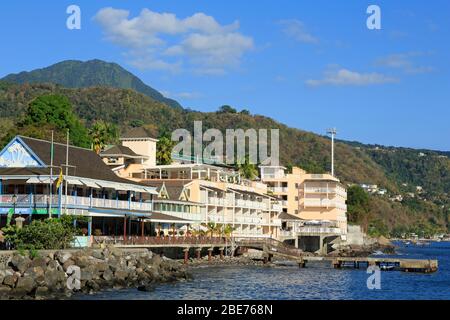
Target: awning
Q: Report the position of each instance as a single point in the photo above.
(34, 180)
(89, 183)
(39, 180)
(104, 184)
(74, 181)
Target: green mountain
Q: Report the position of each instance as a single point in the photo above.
(399, 170)
(92, 73)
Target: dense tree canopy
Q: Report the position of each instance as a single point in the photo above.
(56, 111)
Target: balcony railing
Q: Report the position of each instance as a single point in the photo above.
(184, 215)
(164, 241)
(319, 230)
(278, 189)
(324, 203)
(250, 204)
(43, 200)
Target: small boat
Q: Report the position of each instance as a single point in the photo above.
(387, 268)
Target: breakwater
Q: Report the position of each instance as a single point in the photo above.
(60, 274)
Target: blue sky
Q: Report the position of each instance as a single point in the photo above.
(308, 64)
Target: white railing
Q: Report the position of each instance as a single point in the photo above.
(278, 189)
(250, 204)
(324, 203)
(276, 222)
(43, 200)
(218, 201)
(183, 215)
(276, 207)
(286, 233)
(319, 230)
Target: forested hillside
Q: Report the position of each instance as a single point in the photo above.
(398, 170)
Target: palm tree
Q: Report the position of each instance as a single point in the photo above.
(164, 151)
(228, 230)
(101, 134)
(246, 169)
(211, 228)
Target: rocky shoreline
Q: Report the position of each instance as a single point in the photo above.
(60, 274)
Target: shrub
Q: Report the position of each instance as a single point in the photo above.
(43, 234)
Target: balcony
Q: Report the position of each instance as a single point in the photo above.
(324, 203)
(250, 204)
(184, 215)
(318, 230)
(277, 207)
(43, 200)
(278, 189)
(218, 202)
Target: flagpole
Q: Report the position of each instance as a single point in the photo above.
(51, 179)
(67, 169)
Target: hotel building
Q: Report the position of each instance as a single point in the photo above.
(314, 206)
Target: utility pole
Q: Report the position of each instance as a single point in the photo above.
(67, 171)
(333, 133)
(51, 180)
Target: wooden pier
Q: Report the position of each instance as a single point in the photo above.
(387, 264)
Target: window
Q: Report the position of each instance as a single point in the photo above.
(296, 198)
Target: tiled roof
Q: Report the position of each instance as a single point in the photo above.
(287, 216)
(136, 133)
(82, 162)
(120, 150)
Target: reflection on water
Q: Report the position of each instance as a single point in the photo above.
(318, 281)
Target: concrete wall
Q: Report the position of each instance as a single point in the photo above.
(355, 235)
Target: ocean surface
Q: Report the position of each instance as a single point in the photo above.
(318, 281)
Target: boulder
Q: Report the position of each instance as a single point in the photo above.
(156, 260)
(120, 274)
(86, 275)
(20, 263)
(108, 275)
(25, 283)
(62, 256)
(4, 290)
(101, 267)
(34, 272)
(55, 279)
(98, 254)
(41, 292)
(146, 287)
(10, 280)
(39, 262)
(54, 265)
(82, 261)
(67, 264)
(92, 285)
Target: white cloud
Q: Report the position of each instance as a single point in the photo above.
(163, 41)
(297, 31)
(345, 77)
(404, 62)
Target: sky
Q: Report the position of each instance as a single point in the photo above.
(309, 64)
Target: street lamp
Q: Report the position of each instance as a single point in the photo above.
(333, 133)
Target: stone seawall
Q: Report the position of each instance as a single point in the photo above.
(59, 274)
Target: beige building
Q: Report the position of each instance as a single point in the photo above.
(313, 204)
(225, 198)
(136, 151)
